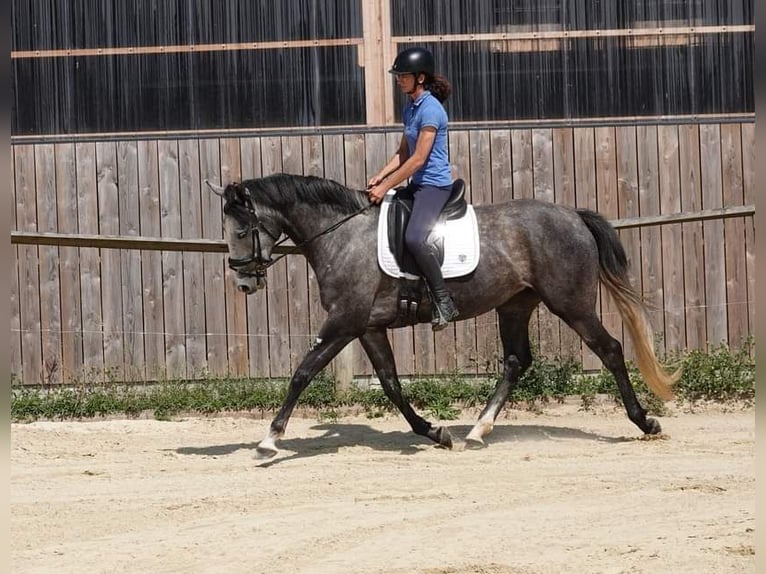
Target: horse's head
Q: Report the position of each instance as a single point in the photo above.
(250, 234)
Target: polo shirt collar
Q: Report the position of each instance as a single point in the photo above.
(423, 96)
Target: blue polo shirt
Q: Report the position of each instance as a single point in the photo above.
(420, 113)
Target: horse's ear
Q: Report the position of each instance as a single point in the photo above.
(217, 189)
(240, 189)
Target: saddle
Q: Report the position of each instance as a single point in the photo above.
(399, 215)
(455, 237)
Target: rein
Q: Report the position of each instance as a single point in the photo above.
(261, 264)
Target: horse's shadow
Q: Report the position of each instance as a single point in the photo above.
(341, 435)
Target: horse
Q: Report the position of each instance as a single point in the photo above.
(531, 252)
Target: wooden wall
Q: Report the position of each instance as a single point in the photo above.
(87, 313)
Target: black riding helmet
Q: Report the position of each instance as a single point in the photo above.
(414, 61)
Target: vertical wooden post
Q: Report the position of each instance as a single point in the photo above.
(376, 58)
(344, 369)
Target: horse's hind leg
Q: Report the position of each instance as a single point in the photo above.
(378, 349)
(609, 350)
(514, 334)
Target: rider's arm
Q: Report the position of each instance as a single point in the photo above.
(400, 156)
(413, 163)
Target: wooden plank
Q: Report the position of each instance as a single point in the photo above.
(402, 339)
(734, 230)
(719, 213)
(151, 261)
(501, 176)
(276, 290)
(713, 232)
(585, 197)
(90, 268)
(313, 164)
(564, 194)
(214, 266)
(69, 263)
(748, 192)
(334, 168)
(607, 202)
(522, 161)
(480, 166)
(464, 331)
(257, 304)
(130, 261)
(537, 35)
(628, 206)
(297, 269)
(15, 312)
(111, 265)
(356, 178)
(522, 164)
(501, 171)
(693, 239)
(186, 48)
(29, 277)
(236, 302)
(672, 239)
(172, 262)
(487, 337)
(190, 194)
(50, 296)
(651, 239)
(334, 156)
(375, 156)
(543, 183)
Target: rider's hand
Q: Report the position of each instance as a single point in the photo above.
(374, 180)
(376, 193)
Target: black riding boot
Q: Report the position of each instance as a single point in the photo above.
(443, 308)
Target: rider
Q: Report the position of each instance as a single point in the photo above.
(423, 156)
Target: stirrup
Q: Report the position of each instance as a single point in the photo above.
(443, 312)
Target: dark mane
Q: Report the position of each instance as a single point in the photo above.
(283, 190)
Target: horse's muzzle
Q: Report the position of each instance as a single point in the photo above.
(250, 284)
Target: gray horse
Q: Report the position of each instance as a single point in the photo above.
(531, 251)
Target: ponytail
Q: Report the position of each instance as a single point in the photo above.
(440, 87)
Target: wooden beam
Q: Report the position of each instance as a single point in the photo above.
(219, 246)
(565, 34)
(187, 49)
(123, 242)
(723, 213)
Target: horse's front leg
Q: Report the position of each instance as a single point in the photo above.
(378, 349)
(323, 351)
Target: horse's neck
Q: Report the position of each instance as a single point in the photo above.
(322, 246)
(306, 222)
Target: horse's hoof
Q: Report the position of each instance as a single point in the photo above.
(442, 436)
(265, 453)
(474, 443)
(652, 426)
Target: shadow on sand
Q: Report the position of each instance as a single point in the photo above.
(339, 436)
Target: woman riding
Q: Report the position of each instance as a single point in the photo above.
(422, 156)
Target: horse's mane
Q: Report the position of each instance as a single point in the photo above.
(283, 190)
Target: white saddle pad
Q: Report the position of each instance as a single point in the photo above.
(461, 244)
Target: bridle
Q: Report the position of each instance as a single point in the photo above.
(254, 228)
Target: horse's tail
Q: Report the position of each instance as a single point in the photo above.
(614, 275)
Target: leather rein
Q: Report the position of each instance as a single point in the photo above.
(254, 227)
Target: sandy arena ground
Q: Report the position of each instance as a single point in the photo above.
(560, 492)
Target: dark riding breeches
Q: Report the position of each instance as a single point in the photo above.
(428, 201)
